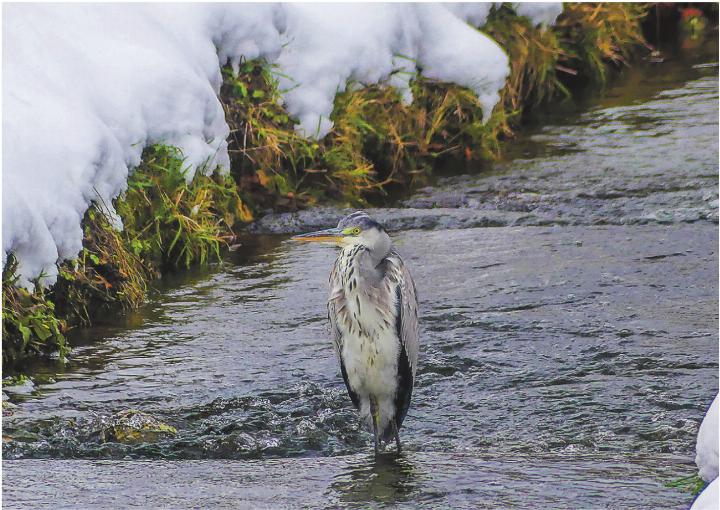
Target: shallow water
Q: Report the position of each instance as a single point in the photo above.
(568, 353)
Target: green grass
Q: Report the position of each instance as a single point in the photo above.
(30, 327)
(692, 484)
(379, 145)
(600, 37)
(170, 222)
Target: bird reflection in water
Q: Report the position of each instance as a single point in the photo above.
(385, 478)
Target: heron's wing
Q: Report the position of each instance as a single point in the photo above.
(336, 306)
(407, 313)
(406, 324)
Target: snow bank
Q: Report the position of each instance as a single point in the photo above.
(86, 87)
(369, 43)
(706, 449)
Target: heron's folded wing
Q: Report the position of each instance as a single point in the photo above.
(408, 329)
(406, 324)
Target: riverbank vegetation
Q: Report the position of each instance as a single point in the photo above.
(168, 224)
(379, 145)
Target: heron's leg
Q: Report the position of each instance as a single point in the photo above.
(375, 413)
(397, 436)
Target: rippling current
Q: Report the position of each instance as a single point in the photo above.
(568, 353)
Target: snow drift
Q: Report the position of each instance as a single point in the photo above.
(87, 87)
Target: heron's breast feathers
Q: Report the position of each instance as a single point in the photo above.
(363, 305)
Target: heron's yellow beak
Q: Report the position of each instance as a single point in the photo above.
(331, 235)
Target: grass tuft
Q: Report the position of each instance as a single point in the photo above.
(534, 54)
(692, 484)
(170, 222)
(598, 37)
(105, 275)
(30, 327)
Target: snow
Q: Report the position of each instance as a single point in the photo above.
(87, 86)
(544, 13)
(382, 42)
(706, 450)
(709, 499)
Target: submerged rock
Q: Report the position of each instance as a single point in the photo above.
(18, 385)
(133, 426)
(395, 219)
(8, 408)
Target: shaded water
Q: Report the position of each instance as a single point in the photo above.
(568, 354)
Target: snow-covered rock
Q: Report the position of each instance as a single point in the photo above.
(87, 86)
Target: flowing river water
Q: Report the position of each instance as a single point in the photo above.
(569, 341)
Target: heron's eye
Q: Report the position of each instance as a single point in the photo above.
(355, 231)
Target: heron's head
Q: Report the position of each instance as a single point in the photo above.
(357, 228)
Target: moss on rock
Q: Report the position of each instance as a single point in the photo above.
(133, 427)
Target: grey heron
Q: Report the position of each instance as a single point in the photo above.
(373, 314)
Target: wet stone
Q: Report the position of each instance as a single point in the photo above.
(19, 385)
(131, 427)
(435, 200)
(8, 408)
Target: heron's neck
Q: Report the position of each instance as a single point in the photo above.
(377, 245)
(368, 257)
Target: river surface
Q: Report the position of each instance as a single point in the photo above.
(569, 341)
